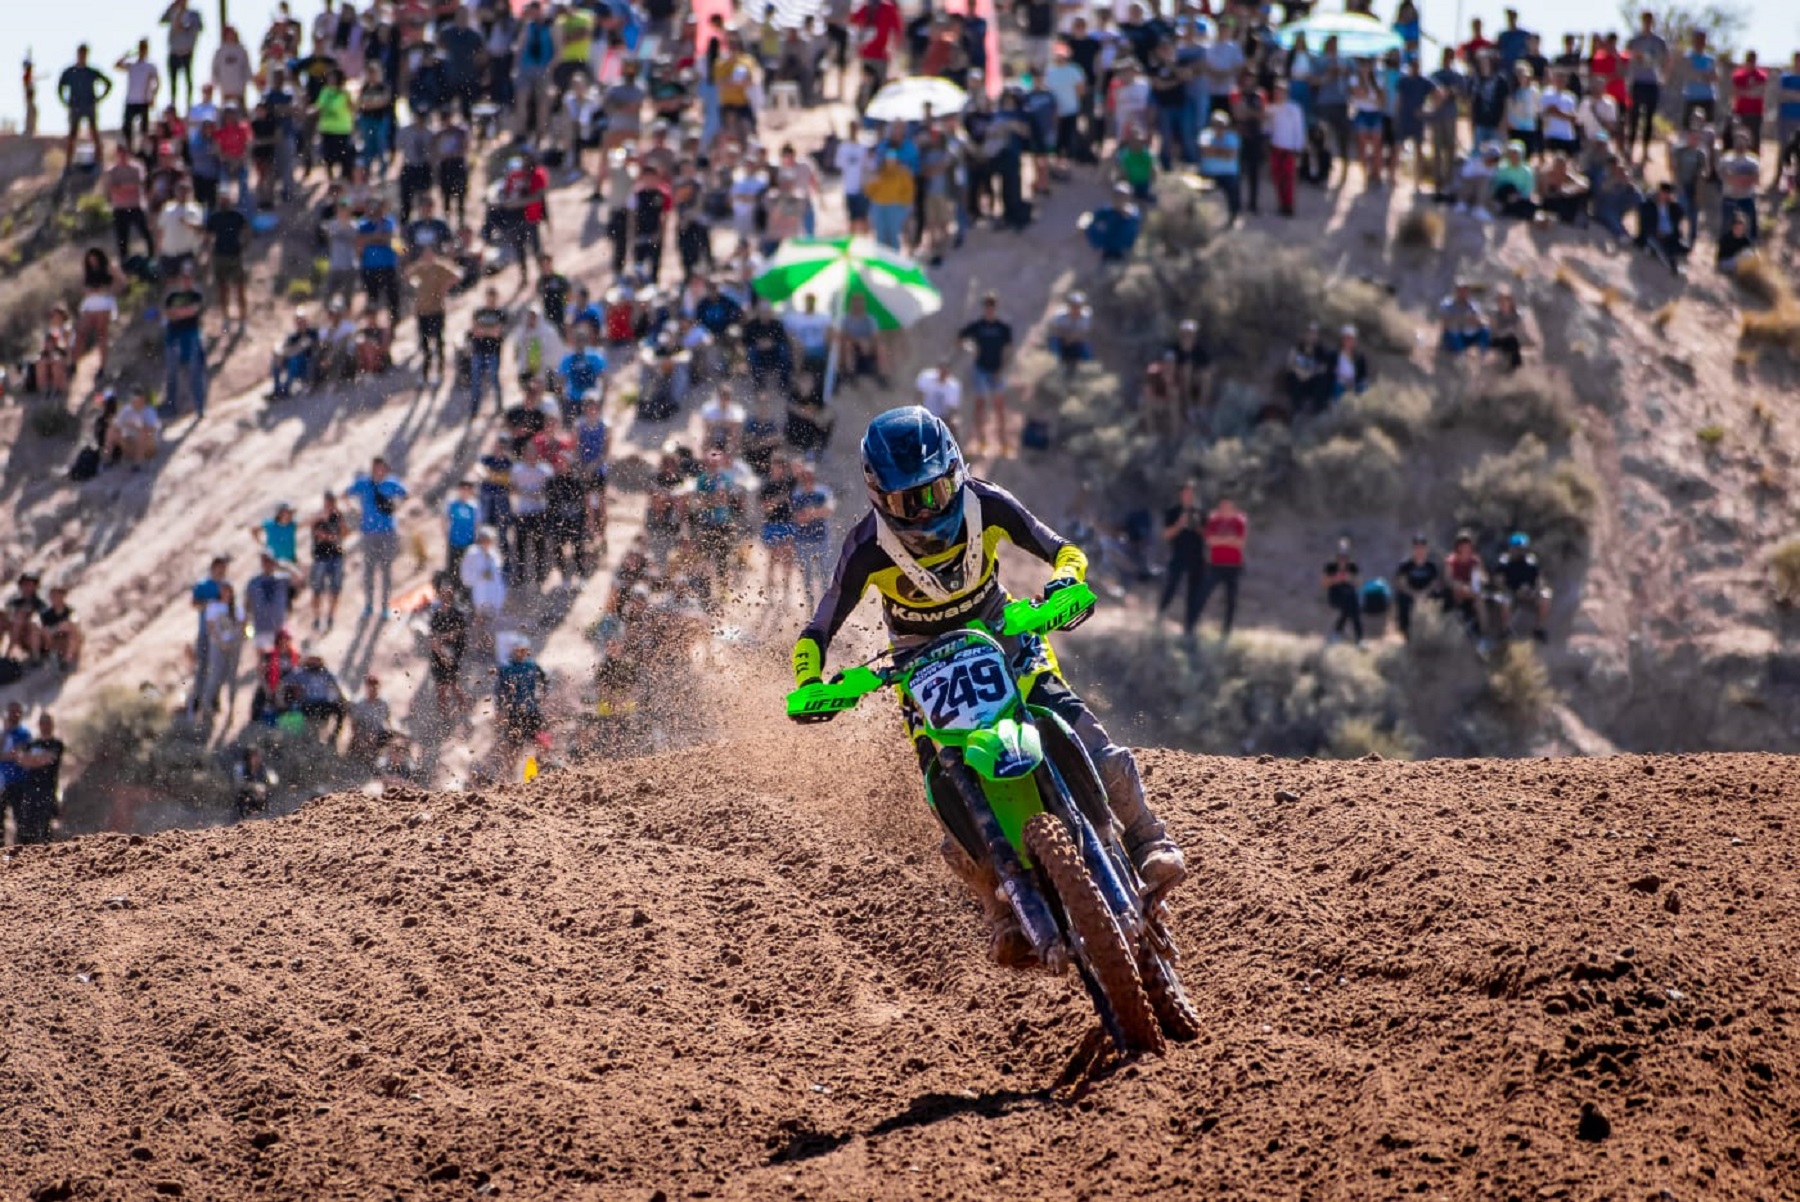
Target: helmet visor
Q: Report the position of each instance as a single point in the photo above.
(922, 501)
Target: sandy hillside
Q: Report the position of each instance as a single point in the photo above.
(669, 979)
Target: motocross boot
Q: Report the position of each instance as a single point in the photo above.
(1007, 945)
(1158, 860)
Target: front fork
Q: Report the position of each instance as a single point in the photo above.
(1020, 891)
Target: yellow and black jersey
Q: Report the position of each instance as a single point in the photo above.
(910, 614)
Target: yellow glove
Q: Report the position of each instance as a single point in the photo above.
(1071, 563)
(809, 662)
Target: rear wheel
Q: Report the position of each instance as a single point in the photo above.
(1105, 956)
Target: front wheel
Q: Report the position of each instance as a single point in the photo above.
(1104, 954)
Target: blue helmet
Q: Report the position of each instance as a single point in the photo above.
(915, 475)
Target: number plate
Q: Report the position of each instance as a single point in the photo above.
(965, 691)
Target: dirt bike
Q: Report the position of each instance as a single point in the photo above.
(1016, 788)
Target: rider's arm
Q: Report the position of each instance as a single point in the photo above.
(860, 559)
(1026, 531)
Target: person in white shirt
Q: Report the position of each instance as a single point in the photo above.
(1559, 110)
(142, 82)
(1523, 108)
(1131, 102)
(482, 573)
(722, 422)
(1287, 142)
(232, 68)
(180, 230)
(854, 157)
(537, 348)
(940, 391)
(811, 331)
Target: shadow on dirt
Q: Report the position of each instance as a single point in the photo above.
(795, 1141)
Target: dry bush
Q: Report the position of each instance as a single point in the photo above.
(1519, 687)
(1346, 474)
(1665, 316)
(1524, 489)
(127, 738)
(1421, 229)
(28, 299)
(1784, 568)
(1533, 400)
(1400, 411)
(1762, 280)
(1777, 326)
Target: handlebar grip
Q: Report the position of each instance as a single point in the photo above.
(810, 719)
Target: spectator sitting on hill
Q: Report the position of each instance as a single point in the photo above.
(1349, 366)
(1616, 198)
(1307, 378)
(1190, 370)
(24, 633)
(1475, 182)
(318, 694)
(1134, 165)
(1736, 244)
(62, 633)
(1513, 185)
(134, 434)
(1112, 229)
(1659, 228)
(297, 359)
(1463, 323)
(371, 724)
(1463, 580)
(1518, 579)
(1506, 329)
(1563, 191)
(1417, 579)
(859, 343)
(1070, 330)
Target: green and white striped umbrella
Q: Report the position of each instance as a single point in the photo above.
(832, 270)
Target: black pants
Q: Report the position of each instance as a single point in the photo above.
(533, 545)
(453, 185)
(1345, 599)
(137, 116)
(32, 816)
(382, 284)
(339, 153)
(1253, 162)
(126, 220)
(1194, 572)
(1224, 576)
(1645, 97)
(415, 181)
(618, 233)
(1403, 611)
(693, 242)
(647, 253)
(431, 339)
(181, 66)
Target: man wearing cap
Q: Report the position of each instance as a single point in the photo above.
(1112, 229)
(1462, 323)
(1518, 579)
(1417, 579)
(483, 576)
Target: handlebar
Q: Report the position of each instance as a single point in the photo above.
(823, 700)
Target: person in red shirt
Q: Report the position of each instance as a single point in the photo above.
(1476, 46)
(1226, 530)
(1606, 66)
(882, 27)
(1749, 91)
(231, 136)
(523, 192)
(1462, 570)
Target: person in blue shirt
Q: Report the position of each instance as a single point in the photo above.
(1113, 229)
(518, 697)
(593, 441)
(1219, 148)
(379, 259)
(717, 312)
(281, 535)
(1510, 43)
(378, 496)
(14, 738)
(583, 370)
(462, 518)
(202, 595)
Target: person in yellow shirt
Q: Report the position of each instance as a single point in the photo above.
(735, 77)
(337, 126)
(574, 35)
(889, 189)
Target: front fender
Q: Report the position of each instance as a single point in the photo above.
(1006, 750)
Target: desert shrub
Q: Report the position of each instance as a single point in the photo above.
(1524, 489)
(1533, 400)
(28, 300)
(92, 214)
(1400, 411)
(1420, 229)
(1784, 567)
(1519, 686)
(129, 738)
(54, 420)
(1350, 474)
(1763, 281)
(1776, 327)
(1355, 737)
(1248, 469)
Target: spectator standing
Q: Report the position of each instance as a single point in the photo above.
(1227, 533)
(483, 576)
(813, 507)
(432, 278)
(1287, 142)
(462, 516)
(1749, 98)
(326, 577)
(231, 68)
(142, 81)
(228, 234)
(378, 258)
(81, 88)
(184, 352)
(223, 619)
(36, 796)
(1740, 172)
(1342, 583)
(378, 497)
(487, 332)
(124, 186)
(1183, 531)
(268, 598)
(1416, 580)
(1648, 55)
(184, 35)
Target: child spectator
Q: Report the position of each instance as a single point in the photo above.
(461, 517)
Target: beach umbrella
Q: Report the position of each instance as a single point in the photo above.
(1358, 36)
(832, 270)
(907, 99)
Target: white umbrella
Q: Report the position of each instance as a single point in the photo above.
(907, 99)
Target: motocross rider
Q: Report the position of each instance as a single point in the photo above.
(930, 547)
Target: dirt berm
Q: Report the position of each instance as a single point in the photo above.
(741, 972)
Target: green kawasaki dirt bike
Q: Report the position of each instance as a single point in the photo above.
(1016, 788)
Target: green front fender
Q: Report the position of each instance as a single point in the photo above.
(1004, 751)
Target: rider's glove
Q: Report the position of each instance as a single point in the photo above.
(809, 663)
(1056, 585)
